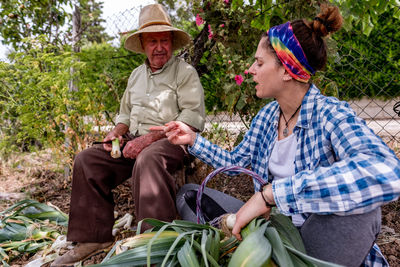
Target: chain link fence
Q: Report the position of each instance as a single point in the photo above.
(122, 22)
(381, 114)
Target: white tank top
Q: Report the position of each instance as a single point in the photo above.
(281, 164)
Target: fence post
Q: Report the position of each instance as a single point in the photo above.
(76, 34)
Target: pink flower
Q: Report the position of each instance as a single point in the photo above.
(199, 20)
(226, 1)
(239, 79)
(210, 33)
(246, 72)
(222, 25)
(229, 61)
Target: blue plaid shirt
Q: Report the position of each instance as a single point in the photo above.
(341, 166)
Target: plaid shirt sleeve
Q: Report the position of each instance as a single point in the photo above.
(247, 153)
(364, 174)
(217, 157)
(375, 258)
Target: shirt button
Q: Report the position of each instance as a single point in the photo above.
(140, 124)
(148, 94)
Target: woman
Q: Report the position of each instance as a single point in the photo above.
(322, 165)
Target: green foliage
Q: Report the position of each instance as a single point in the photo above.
(366, 66)
(21, 19)
(39, 108)
(92, 30)
(32, 94)
(105, 75)
(218, 134)
(365, 14)
(229, 55)
(28, 19)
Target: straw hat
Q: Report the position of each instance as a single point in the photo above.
(154, 18)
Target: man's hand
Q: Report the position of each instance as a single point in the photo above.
(135, 146)
(111, 136)
(178, 133)
(117, 132)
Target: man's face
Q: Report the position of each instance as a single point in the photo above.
(158, 48)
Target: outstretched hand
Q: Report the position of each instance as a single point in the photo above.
(177, 132)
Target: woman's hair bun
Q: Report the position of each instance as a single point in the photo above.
(329, 20)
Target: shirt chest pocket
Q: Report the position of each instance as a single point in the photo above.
(166, 104)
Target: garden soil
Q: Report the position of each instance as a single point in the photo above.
(34, 175)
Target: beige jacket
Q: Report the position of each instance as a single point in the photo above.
(155, 98)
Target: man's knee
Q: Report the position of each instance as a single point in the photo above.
(82, 157)
(146, 158)
(161, 152)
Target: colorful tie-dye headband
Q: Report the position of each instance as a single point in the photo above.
(289, 52)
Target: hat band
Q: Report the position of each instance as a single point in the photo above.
(154, 23)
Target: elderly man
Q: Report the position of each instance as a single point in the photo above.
(164, 88)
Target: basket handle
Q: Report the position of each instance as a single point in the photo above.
(200, 217)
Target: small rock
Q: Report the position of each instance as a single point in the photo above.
(11, 196)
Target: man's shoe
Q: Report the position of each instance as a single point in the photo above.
(80, 252)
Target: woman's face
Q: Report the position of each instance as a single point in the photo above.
(266, 72)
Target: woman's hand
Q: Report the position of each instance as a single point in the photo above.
(253, 208)
(177, 132)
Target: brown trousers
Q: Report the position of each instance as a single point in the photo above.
(96, 173)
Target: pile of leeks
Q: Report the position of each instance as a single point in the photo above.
(274, 242)
(27, 227)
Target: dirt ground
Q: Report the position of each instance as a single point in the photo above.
(36, 176)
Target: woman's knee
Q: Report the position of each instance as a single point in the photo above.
(344, 240)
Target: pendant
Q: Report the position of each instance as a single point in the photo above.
(285, 132)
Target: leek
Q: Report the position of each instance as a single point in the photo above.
(115, 152)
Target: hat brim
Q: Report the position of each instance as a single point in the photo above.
(180, 39)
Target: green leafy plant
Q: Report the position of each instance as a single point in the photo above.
(39, 109)
(274, 242)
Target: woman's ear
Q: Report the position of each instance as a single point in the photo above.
(286, 76)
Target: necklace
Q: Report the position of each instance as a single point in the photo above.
(286, 130)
